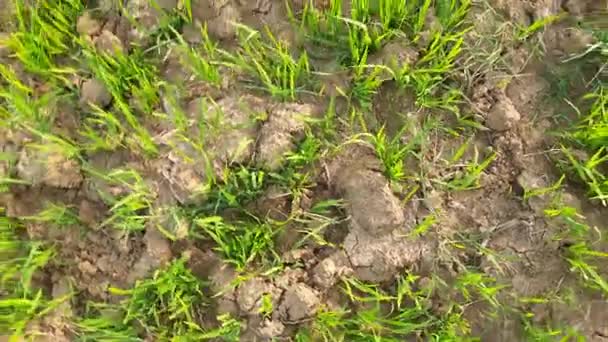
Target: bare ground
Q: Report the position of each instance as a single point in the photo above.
(509, 98)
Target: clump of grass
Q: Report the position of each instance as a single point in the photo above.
(392, 153)
(130, 209)
(56, 214)
(580, 253)
(295, 176)
(20, 107)
(592, 135)
(239, 242)
(404, 313)
(21, 301)
(237, 188)
(270, 64)
(169, 305)
(126, 76)
(44, 32)
(103, 322)
(371, 24)
(203, 61)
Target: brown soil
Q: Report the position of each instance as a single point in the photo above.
(508, 99)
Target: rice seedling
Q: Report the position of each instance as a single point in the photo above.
(203, 62)
(228, 331)
(472, 283)
(430, 72)
(385, 317)
(581, 258)
(169, 305)
(43, 34)
(316, 221)
(125, 76)
(548, 334)
(20, 107)
(104, 322)
(366, 82)
(21, 300)
(236, 188)
(295, 175)
(269, 63)
(239, 242)
(529, 193)
(56, 214)
(130, 209)
(524, 33)
(579, 252)
(267, 307)
(469, 178)
(427, 223)
(392, 153)
(102, 131)
(592, 134)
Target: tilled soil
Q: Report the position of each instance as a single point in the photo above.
(517, 242)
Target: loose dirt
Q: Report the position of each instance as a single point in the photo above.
(243, 127)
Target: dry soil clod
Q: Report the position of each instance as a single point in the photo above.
(329, 270)
(503, 115)
(52, 169)
(284, 126)
(94, 92)
(249, 295)
(109, 43)
(371, 203)
(232, 126)
(88, 25)
(299, 302)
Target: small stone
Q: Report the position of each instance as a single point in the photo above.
(87, 25)
(271, 329)
(192, 33)
(167, 5)
(222, 277)
(502, 116)
(222, 27)
(62, 172)
(94, 92)
(571, 200)
(61, 290)
(249, 295)
(226, 306)
(299, 302)
(89, 213)
(54, 169)
(527, 180)
(329, 270)
(108, 42)
(157, 246)
(87, 267)
(284, 127)
(433, 200)
(395, 54)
